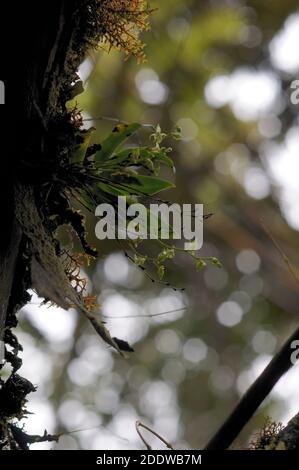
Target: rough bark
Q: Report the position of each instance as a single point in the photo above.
(50, 38)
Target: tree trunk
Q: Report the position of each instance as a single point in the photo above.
(43, 49)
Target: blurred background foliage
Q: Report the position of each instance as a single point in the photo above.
(222, 71)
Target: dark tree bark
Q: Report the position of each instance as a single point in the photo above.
(41, 51)
(40, 34)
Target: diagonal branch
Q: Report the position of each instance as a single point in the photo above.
(254, 397)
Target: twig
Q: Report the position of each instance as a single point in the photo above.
(138, 425)
(285, 258)
(76, 431)
(253, 398)
(145, 315)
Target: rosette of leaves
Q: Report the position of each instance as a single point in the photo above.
(101, 173)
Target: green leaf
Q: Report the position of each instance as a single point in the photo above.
(135, 155)
(79, 155)
(156, 155)
(148, 185)
(87, 201)
(163, 157)
(125, 156)
(118, 136)
(112, 190)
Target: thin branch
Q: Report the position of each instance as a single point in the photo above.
(145, 315)
(76, 431)
(138, 425)
(253, 398)
(285, 258)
